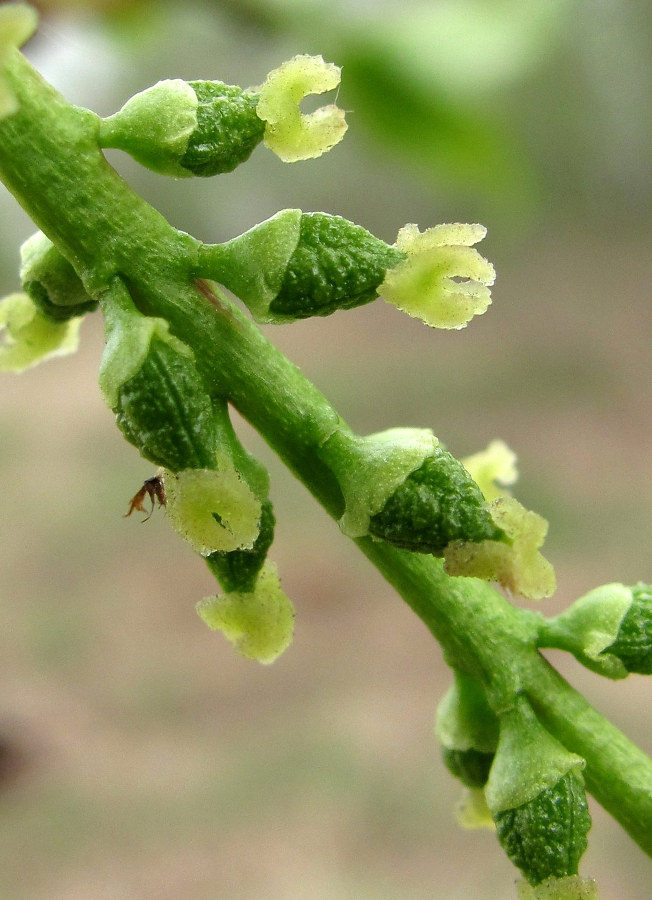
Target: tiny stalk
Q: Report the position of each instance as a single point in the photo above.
(179, 354)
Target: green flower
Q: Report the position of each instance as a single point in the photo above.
(213, 509)
(443, 281)
(30, 338)
(18, 22)
(259, 623)
(492, 469)
(290, 134)
(516, 563)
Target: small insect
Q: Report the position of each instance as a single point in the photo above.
(153, 488)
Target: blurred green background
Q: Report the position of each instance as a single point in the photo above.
(140, 757)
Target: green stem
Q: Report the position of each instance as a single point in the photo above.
(51, 161)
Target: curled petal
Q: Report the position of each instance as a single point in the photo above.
(443, 280)
(289, 133)
(518, 565)
(30, 338)
(260, 623)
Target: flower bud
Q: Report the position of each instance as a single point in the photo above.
(296, 265)
(442, 280)
(30, 337)
(536, 795)
(633, 644)
(402, 487)
(608, 630)
(149, 379)
(259, 623)
(467, 731)
(183, 128)
(51, 282)
(290, 134)
(335, 265)
(437, 503)
(18, 22)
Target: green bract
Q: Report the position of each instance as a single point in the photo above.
(150, 380)
(155, 126)
(29, 337)
(51, 282)
(369, 469)
(336, 265)
(185, 128)
(608, 630)
(297, 264)
(18, 22)
(536, 795)
(253, 264)
(400, 486)
(290, 134)
(428, 285)
(259, 623)
(467, 730)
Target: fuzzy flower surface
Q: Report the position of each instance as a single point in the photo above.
(17, 23)
(289, 133)
(214, 510)
(443, 281)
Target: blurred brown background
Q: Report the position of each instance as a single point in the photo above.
(139, 756)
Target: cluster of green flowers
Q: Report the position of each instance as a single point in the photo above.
(400, 486)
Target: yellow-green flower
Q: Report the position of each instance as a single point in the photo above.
(17, 23)
(259, 623)
(213, 509)
(492, 469)
(289, 133)
(30, 338)
(443, 280)
(517, 565)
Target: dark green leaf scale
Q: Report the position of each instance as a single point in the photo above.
(633, 646)
(165, 412)
(436, 504)
(238, 570)
(336, 265)
(227, 131)
(546, 837)
(470, 766)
